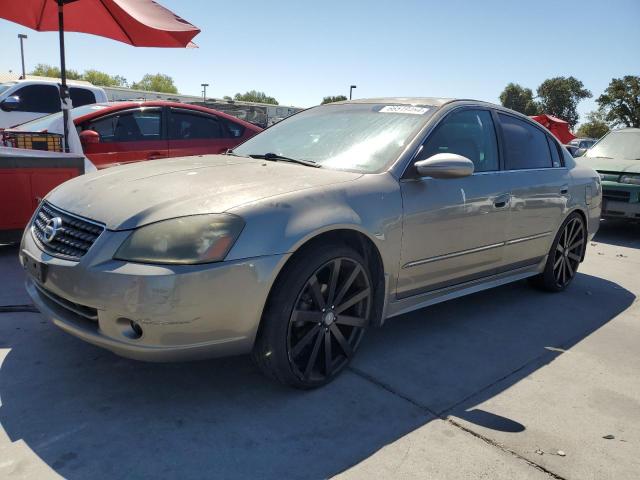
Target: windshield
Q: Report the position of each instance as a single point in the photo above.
(43, 123)
(360, 137)
(618, 144)
(6, 86)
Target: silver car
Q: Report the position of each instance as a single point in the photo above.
(326, 224)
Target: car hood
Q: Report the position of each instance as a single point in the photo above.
(610, 164)
(130, 196)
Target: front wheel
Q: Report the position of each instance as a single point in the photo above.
(565, 256)
(316, 316)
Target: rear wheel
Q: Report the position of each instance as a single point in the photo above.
(565, 255)
(316, 317)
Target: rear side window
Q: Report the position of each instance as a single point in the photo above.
(39, 98)
(81, 96)
(525, 145)
(555, 155)
(187, 126)
(469, 133)
(131, 126)
(235, 129)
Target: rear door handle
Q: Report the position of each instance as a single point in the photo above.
(502, 201)
(564, 189)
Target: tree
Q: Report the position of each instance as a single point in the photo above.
(559, 96)
(333, 98)
(255, 96)
(620, 102)
(227, 97)
(44, 70)
(594, 127)
(104, 79)
(156, 83)
(519, 99)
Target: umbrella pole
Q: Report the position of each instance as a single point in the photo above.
(64, 91)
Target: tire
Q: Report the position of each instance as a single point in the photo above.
(562, 262)
(315, 319)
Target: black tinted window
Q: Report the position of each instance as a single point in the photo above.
(235, 129)
(469, 133)
(185, 126)
(39, 98)
(81, 96)
(139, 125)
(555, 155)
(525, 145)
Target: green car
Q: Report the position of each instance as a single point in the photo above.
(616, 157)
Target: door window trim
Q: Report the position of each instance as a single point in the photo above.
(163, 136)
(198, 113)
(539, 127)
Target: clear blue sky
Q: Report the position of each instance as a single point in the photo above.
(300, 51)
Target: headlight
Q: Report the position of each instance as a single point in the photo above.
(184, 240)
(632, 179)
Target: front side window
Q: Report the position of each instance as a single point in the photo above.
(131, 126)
(525, 145)
(235, 129)
(469, 133)
(187, 126)
(357, 137)
(39, 98)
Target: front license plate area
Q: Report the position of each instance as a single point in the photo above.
(37, 269)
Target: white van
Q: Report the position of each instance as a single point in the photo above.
(25, 100)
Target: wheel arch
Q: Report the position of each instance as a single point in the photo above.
(352, 237)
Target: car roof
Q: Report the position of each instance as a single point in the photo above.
(430, 101)
(123, 105)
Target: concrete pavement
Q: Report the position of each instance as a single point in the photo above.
(493, 385)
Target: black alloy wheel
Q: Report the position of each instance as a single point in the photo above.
(568, 253)
(329, 318)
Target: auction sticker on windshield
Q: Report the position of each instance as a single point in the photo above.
(404, 109)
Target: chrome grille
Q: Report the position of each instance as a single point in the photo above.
(72, 239)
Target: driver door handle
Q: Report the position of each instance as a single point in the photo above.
(502, 201)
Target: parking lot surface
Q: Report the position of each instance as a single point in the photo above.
(507, 383)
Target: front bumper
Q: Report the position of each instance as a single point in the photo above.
(185, 312)
(620, 200)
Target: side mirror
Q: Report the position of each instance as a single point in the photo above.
(88, 137)
(579, 152)
(445, 165)
(10, 104)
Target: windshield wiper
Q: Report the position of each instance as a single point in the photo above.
(279, 158)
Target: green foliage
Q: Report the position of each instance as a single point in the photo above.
(255, 96)
(594, 127)
(104, 79)
(519, 99)
(43, 70)
(559, 96)
(620, 102)
(156, 83)
(333, 98)
(227, 97)
(94, 76)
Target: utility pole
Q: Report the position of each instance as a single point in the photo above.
(351, 91)
(22, 37)
(204, 91)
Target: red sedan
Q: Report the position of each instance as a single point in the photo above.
(124, 132)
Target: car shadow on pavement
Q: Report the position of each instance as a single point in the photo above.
(90, 414)
(622, 233)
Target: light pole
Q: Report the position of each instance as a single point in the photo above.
(22, 36)
(351, 91)
(204, 91)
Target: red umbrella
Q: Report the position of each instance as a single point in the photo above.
(141, 23)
